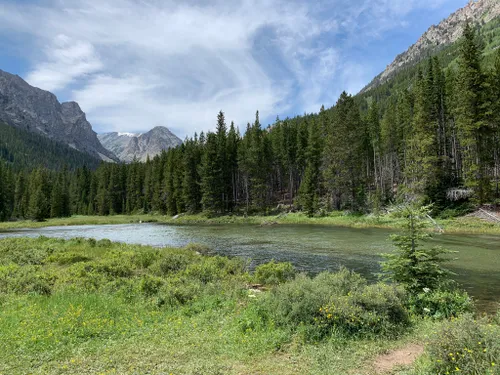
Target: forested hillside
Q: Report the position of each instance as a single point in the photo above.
(435, 138)
(488, 40)
(24, 150)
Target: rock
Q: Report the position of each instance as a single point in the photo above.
(437, 37)
(39, 111)
(130, 146)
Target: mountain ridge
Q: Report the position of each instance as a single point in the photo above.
(130, 146)
(439, 36)
(33, 109)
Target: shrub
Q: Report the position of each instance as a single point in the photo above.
(25, 280)
(440, 304)
(104, 243)
(210, 269)
(64, 258)
(171, 262)
(14, 251)
(92, 242)
(145, 258)
(178, 292)
(150, 285)
(335, 302)
(373, 310)
(273, 273)
(466, 346)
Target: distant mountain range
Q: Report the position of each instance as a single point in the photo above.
(130, 146)
(438, 37)
(34, 110)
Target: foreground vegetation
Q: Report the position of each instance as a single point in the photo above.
(86, 306)
(464, 225)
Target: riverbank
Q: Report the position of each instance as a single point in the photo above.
(97, 307)
(460, 225)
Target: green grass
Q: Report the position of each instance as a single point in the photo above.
(456, 225)
(96, 307)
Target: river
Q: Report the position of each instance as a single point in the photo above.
(311, 248)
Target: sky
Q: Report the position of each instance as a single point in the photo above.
(136, 64)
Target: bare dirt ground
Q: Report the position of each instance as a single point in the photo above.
(405, 356)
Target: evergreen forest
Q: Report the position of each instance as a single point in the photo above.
(432, 136)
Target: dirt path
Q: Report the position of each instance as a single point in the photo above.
(400, 357)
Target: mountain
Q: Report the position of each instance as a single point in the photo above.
(128, 146)
(35, 110)
(25, 150)
(438, 37)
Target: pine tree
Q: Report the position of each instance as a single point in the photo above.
(223, 175)
(343, 170)
(472, 129)
(233, 139)
(20, 196)
(169, 184)
(494, 95)
(412, 265)
(39, 204)
(210, 176)
(421, 169)
(3, 194)
(190, 183)
(309, 188)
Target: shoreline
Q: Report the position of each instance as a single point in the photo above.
(461, 225)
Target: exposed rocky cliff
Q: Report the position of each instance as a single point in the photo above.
(440, 36)
(128, 146)
(36, 110)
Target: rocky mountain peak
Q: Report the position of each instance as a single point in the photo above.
(130, 146)
(36, 110)
(439, 36)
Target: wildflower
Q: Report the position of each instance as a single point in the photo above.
(426, 290)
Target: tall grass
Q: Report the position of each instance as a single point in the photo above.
(87, 306)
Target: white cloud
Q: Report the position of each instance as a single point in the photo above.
(135, 64)
(66, 61)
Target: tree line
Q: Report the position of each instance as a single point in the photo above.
(438, 140)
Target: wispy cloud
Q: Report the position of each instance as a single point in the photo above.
(66, 61)
(135, 64)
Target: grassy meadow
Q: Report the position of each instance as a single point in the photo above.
(97, 307)
(466, 225)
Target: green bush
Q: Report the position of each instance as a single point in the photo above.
(440, 304)
(273, 273)
(104, 243)
(14, 251)
(178, 292)
(145, 258)
(150, 285)
(170, 263)
(216, 268)
(373, 310)
(25, 280)
(66, 258)
(92, 242)
(334, 303)
(466, 346)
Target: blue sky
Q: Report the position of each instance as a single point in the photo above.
(135, 64)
